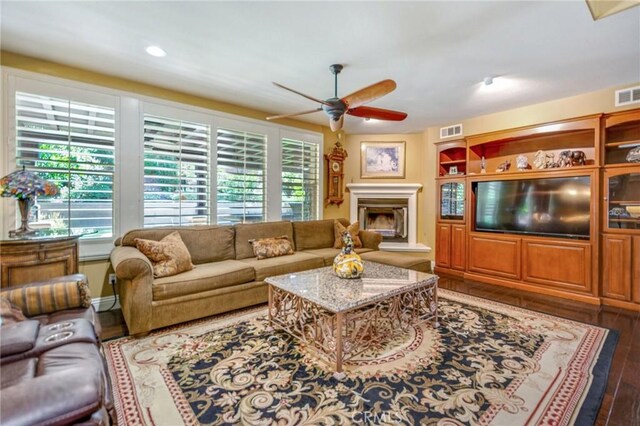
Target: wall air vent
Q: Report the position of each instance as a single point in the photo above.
(626, 96)
(451, 131)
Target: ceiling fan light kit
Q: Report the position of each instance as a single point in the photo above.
(352, 104)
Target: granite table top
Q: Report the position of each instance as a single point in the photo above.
(378, 282)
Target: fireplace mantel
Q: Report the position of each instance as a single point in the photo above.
(408, 191)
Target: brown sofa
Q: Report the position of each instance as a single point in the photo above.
(53, 371)
(226, 275)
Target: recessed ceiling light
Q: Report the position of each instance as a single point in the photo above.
(156, 51)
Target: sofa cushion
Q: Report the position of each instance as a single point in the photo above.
(169, 256)
(315, 234)
(398, 259)
(328, 254)
(206, 243)
(208, 276)
(265, 248)
(340, 229)
(18, 371)
(296, 262)
(255, 231)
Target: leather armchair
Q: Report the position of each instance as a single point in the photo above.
(53, 371)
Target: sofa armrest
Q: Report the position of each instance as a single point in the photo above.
(60, 398)
(45, 297)
(135, 287)
(370, 239)
(129, 263)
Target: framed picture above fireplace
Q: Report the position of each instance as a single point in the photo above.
(382, 160)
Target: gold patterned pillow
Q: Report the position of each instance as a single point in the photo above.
(51, 296)
(265, 248)
(353, 229)
(169, 256)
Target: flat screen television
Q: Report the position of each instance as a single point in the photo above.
(558, 207)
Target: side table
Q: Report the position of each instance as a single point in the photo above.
(36, 258)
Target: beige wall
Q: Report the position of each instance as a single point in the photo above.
(416, 171)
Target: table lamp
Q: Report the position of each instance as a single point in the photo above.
(25, 186)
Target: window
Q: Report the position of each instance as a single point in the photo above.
(71, 144)
(176, 172)
(300, 180)
(241, 181)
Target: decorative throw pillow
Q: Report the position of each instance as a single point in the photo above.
(169, 256)
(9, 312)
(265, 248)
(58, 294)
(353, 229)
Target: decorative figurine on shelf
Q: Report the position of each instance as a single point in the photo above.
(542, 160)
(619, 212)
(522, 162)
(633, 156)
(503, 167)
(565, 159)
(578, 158)
(483, 166)
(348, 264)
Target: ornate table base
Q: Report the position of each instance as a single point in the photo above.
(339, 336)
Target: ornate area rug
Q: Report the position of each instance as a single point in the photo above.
(486, 364)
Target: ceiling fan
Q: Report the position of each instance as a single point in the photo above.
(351, 104)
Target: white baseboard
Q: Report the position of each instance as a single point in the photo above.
(104, 303)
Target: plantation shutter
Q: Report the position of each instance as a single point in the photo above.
(300, 179)
(73, 145)
(241, 170)
(176, 172)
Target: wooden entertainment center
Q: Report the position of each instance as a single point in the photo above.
(599, 266)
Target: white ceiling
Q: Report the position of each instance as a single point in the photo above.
(437, 52)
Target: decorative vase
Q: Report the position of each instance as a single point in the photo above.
(348, 264)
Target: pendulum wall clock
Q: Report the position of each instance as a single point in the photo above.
(335, 163)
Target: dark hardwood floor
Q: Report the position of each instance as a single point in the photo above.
(621, 403)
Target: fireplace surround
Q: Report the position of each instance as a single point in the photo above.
(390, 209)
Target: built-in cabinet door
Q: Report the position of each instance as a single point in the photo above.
(458, 246)
(616, 274)
(443, 245)
(635, 263)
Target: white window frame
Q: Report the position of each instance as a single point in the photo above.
(91, 247)
(128, 210)
(308, 137)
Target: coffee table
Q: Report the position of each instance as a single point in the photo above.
(342, 318)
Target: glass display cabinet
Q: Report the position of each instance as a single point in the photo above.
(452, 199)
(623, 199)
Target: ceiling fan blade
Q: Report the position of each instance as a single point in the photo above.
(369, 93)
(275, 117)
(377, 113)
(301, 94)
(336, 125)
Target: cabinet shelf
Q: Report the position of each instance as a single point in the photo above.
(623, 144)
(452, 162)
(523, 172)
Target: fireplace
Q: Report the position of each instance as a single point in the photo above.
(388, 217)
(390, 209)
